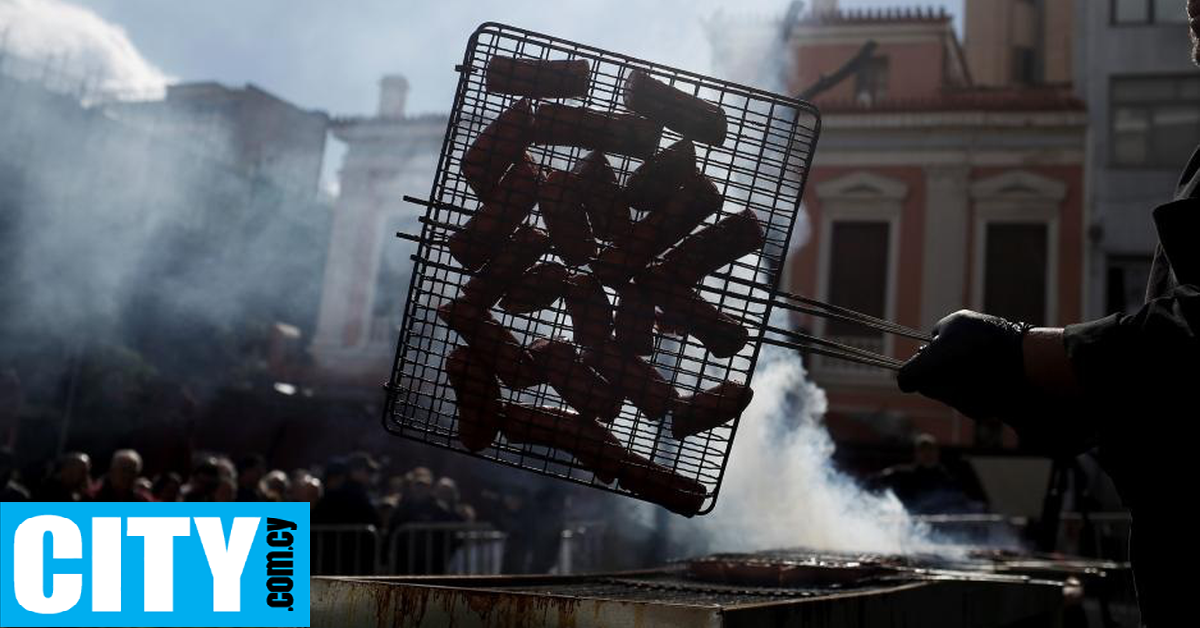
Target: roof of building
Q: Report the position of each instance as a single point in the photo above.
(969, 99)
(877, 15)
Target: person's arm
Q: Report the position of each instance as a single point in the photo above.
(1058, 387)
(1047, 367)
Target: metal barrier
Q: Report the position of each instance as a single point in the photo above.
(345, 550)
(440, 549)
(444, 548)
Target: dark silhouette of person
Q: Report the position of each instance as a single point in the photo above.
(1121, 384)
(70, 482)
(250, 469)
(10, 489)
(120, 483)
(422, 545)
(925, 486)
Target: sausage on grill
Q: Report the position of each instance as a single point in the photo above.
(558, 428)
(492, 343)
(537, 289)
(575, 381)
(502, 211)
(603, 201)
(562, 209)
(690, 115)
(499, 145)
(657, 231)
(478, 397)
(709, 408)
(559, 78)
(620, 133)
(653, 183)
(515, 256)
(636, 379)
(661, 485)
(634, 323)
(591, 312)
(703, 252)
(687, 312)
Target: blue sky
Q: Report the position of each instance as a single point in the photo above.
(330, 55)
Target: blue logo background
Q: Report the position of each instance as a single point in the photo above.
(193, 590)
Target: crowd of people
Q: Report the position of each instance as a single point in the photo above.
(345, 490)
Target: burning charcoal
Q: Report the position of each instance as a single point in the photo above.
(652, 185)
(635, 378)
(478, 396)
(562, 209)
(537, 78)
(703, 252)
(656, 232)
(502, 212)
(654, 482)
(499, 145)
(537, 289)
(634, 324)
(575, 381)
(516, 255)
(709, 408)
(589, 442)
(494, 345)
(591, 312)
(603, 200)
(620, 133)
(691, 116)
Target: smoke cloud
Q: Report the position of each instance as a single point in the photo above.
(782, 490)
(73, 41)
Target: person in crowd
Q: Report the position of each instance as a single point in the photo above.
(250, 470)
(448, 497)
(274, 486)
(924, 486)
(304, 487)
(346, 500)
(226, 490)
(203, 482)
(422, 548)
(70, 481)
(119, 484)
(10, 489)
(167, 487)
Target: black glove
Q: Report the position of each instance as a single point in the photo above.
(974, 363)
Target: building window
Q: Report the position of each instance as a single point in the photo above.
(1127, 278)
(1025, 65)
(1015, 271)
(858, 276)
(872, 83)
(1149, 12)
(1155, 121)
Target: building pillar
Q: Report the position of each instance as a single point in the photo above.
(944, 276)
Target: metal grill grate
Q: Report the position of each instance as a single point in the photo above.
(761, 165)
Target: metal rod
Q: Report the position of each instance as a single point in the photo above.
(831, 354)
(808, 338)
(865, 319)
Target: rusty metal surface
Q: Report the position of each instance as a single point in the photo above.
(660, 598)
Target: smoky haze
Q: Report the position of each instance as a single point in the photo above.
(117, 232)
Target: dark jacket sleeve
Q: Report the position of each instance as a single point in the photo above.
(1150, 359)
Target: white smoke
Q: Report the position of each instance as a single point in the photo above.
(781, 488)
(76, 44)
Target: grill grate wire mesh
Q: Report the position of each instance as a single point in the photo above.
(762, 165)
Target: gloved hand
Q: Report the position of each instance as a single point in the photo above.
(974, 363)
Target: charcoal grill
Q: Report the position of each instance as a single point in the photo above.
(762, 165)
(901, 591)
